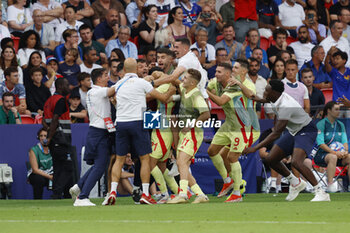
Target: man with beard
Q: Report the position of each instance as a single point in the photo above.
(108, 29)
(142, 68)
(165, 59)
(280, 37)
(8, 112)
(57, 121)
(260, 82)
(303, 47)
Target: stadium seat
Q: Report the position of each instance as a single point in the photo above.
(219, 38)
(291, 40)
(328, 94)
(26, 119)
(264, 43)
(262, 112)
(215, 109)
(16, 42)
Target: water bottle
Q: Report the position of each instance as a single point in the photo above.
(50, 185)
(69, 158)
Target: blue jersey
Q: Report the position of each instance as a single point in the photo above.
(341, 83)
(190, 16)
(327, 131)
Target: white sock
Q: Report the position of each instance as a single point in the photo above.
(293, 180)
(279, 187)
(114, 186)
(236, 192)
(273, 182)
(227, 180)
(145, 188)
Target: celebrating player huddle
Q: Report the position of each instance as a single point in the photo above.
(181, 97)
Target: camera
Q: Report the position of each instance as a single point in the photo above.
(205, 15)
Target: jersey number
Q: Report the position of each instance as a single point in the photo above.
(236, 142)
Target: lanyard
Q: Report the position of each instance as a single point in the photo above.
(228, 49)
(205, 52)
(41, 32)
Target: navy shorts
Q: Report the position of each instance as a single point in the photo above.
(130, 136)
(320, 159)
(111, 139)
(304, 139)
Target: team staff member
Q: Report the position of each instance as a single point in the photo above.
(97, 140)
(131, 94)
(57, 121)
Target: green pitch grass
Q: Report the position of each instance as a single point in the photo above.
(257, 213)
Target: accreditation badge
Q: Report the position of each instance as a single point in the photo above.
(109, 124)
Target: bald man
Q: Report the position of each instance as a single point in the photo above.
(131, 92)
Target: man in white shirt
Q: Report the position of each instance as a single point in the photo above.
(187, 60)
(70, 23)
(260, 82)
(291, 15)
(298, 141)
(131, 92)
(302, 48)
(336, 39)
(97, 143)
(206, 50)
(52, 11)
(89, 61)
(344, 17)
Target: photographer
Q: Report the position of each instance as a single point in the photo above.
(40, 174)
(209, 20)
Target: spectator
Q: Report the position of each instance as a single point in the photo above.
(212, 4)
(117, 54)
(103, 7)
(83, 10)
(220, 57)
(206, 50)
(208, 20)
(45, 32)
(322, 14)
(18, 17)
(165, 58)
(148, 28)
(303, 46)
(164, 8)
(122, 42)
(8, 112)
(245, 18)
(4, 31)
(291, 15)
(268, 17)
(344, 18)
(52, 74)
(84, 80)
(278, 69)
(127, 177)
(258, 55)
(232, 47)
(338, 72)
(85, 32)
(11, 85)
(191, 12)
(69, 68)
(253, 42)
(315, 95)
(330, 130)
(35, 60)
(114, 72)
(38, 93)
(133, 13)
(334, 11)
(29, 42)
(40, 174)
(77, 112)
(108, 29)
(317, 30)
(151, 57)
(336, 39)
(52, 11)
(227, 11)
(322, 79)
(280, 37)
(259, 82)
(142, 68)
(70, 23)
(163, 39)
(89, 62)
(8, 58)
(71, 38)
(294, 88)
(175, 25)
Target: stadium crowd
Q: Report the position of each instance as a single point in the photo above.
(303, 43)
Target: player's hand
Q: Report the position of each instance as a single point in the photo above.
(248, 150)
(157, 74)
(149, 78)
(233, 81)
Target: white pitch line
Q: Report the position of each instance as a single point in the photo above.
(170, 221)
